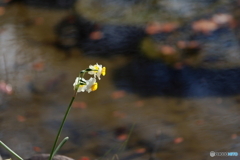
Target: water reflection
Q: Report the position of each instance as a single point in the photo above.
(100, 40)
(148, 77)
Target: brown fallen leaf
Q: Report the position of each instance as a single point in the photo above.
(182, 44)
(140, 150)
(81, 105)
(234, 136)
(84, 158)
(2, 11)
(96, 35)
(38, 66)
(21, 118)
(39, 21)
(167, 50)
(118, 94)
(122, 137)
(119, 114)
(153, 28)
(37, 149)
(178, 140)
(204, 26)
(169, 27)
(139, 103)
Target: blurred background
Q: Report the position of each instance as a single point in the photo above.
(171, 90)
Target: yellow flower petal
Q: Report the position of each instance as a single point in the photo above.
(104, 71)
(94, 87)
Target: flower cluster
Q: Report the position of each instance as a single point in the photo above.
(82, 85)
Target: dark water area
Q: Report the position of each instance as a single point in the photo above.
(147, 107)
(122, 40)
(154, 78)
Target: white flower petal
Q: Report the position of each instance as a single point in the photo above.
(91, 82)
(96, 73)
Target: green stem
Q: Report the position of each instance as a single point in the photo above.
(105, 154)
(15, 154)
(61, 127)
(121, 148)
(60, 145)
(125, 143)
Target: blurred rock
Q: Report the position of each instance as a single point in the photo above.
(72, 31)
(46, 156)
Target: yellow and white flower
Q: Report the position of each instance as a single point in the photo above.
(80, 84)
(92, 85)
(97, 70)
